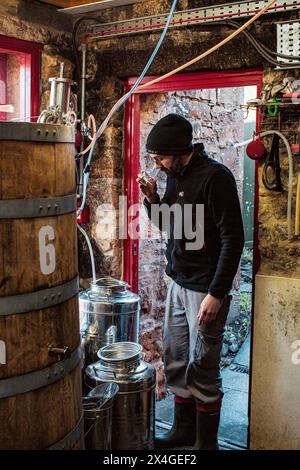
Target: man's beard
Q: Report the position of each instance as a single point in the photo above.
(176, 168)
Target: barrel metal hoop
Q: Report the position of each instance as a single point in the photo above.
(39, 207)
(23, 303)
(69, 441)
(39, 378)
(32, 132)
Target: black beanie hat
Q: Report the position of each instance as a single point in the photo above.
(171, 135)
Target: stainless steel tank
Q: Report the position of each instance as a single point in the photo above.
(133, 420)
(109, 313)
(97, 412)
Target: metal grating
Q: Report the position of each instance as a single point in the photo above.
(288, 40)
(195, 16)
(239, 368)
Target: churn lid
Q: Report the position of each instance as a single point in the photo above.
(108, 286)
(120, 352)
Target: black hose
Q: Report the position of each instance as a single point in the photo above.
(276, 54)
(263, 50)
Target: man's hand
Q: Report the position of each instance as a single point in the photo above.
(148, 187)
(209, 309)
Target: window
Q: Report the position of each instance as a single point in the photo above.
(19, 79)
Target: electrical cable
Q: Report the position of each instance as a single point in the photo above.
(265, 52)
(90, 251)
(119, 104)
(158, 79)
(209, 51)
(290, 181)
(276, 54)
(297, 215)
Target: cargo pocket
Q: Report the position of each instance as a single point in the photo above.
(207, 353)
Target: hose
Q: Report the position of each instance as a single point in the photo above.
(297, 218)
(290, 182)
(91, 125)
(263, 46)
(152, 82)
(90, 251)
(213, 49)
(264, 51)
(120, 102)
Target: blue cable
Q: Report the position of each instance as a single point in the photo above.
(86, 173)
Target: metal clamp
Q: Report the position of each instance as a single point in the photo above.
(69, 441)
(39, 378)
(22, 303)
(39, 207)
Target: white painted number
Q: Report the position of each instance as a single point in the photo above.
(2, 353)
(47, 250)
(296, 354)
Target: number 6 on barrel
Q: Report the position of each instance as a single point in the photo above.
(47, 250)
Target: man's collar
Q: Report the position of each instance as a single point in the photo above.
(198, 150)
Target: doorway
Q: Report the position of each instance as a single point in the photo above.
(215, 105)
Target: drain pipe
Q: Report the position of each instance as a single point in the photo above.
(290, 183)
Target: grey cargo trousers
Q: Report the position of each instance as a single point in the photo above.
(192, 353)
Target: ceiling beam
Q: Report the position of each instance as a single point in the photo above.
(95, 6)
(71, 6)
(58, 3)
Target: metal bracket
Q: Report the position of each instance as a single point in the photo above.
(22, 303)
(39, 378)
(69, 441)
(191, 17)
(288, 41)
(40, 207)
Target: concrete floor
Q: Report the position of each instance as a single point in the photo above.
(234, 418)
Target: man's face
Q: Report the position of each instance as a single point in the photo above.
(168, 164)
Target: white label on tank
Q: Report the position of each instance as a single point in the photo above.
(2, 353)
(47, 250)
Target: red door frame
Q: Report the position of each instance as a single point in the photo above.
(189, 81)
(3, 79)
(32, 53)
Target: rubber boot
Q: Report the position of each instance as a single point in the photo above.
(207, 430)
(183, 431)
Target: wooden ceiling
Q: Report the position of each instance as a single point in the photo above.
(68, 3)
(78, 6)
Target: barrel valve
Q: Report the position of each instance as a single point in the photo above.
(61, 353)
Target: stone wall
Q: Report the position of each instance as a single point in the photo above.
(217, 119)
(279, 256)
(32, 21)
(115, 59)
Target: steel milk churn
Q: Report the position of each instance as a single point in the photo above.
(109, 313)
(133, 422)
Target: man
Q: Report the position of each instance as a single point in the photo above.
(197, 301)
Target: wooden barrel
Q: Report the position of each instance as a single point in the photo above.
(40, 373)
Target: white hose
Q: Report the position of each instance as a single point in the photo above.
(90, 250)
(290, 183)
(92, 125)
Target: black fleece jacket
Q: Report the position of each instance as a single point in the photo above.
(212, 267)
